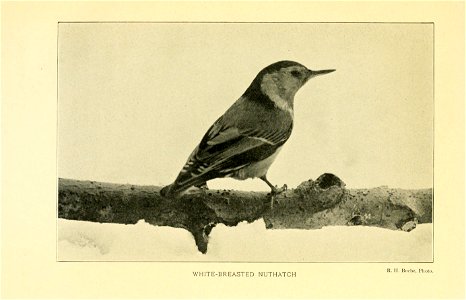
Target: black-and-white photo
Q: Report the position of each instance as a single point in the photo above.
(245, 142)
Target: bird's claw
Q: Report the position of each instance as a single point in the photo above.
(284, 188)
(276, 191)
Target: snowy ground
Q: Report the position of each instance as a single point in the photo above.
(87, 241)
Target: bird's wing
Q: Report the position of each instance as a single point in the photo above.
(226, 148)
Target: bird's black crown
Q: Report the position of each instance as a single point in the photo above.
(278, 66)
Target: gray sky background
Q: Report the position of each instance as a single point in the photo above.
(135, 99)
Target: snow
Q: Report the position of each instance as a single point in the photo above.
(88, 241)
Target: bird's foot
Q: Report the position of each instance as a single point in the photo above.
(275, 192)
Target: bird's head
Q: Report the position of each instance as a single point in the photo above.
(280, 81)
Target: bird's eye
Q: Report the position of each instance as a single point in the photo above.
(295, 73)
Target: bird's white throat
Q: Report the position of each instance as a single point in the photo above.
(269, 87)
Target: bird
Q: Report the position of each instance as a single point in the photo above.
(246, 139)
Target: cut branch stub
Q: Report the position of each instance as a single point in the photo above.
(324, 193)
(295, 207)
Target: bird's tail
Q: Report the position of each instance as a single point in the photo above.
(168, 191)
(175, 190)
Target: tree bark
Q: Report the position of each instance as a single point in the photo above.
(311, 205)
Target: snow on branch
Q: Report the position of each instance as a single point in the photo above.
(311, 205)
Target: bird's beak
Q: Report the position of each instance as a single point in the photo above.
(312, 73)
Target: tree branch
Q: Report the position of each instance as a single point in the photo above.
(311, 205)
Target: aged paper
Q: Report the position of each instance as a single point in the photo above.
(29, 95)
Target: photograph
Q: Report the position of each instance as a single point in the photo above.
(254, 142)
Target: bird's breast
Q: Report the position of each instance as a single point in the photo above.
(256, 169)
